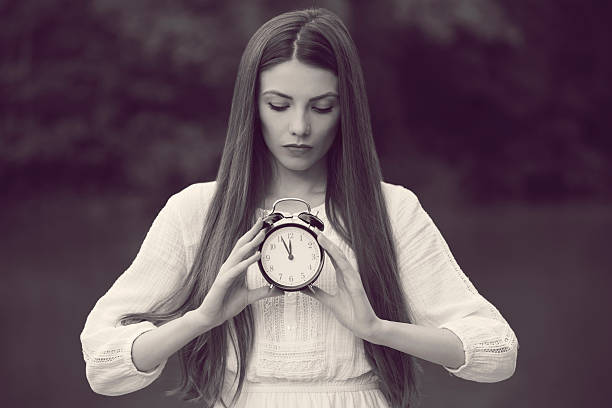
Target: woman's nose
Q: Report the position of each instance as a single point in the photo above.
(299, 125)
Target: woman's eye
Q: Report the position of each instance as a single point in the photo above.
(322, 110)
(278, 108)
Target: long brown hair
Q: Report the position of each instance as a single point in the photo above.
(354, 203)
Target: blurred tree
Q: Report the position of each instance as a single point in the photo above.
(483, 86)
(506, 98)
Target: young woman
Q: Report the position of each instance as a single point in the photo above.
(390, 290)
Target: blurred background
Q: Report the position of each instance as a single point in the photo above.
(493, 112)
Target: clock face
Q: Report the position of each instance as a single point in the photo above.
(291, 257)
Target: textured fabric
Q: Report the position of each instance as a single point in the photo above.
(349, 393)
(301, 351)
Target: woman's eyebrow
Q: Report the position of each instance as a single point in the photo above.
(314, 98)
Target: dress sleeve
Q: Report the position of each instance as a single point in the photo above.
(440, 295)
(107, 345)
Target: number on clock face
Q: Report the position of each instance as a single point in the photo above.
(290, 256)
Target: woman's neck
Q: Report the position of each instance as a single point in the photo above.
(309, 185)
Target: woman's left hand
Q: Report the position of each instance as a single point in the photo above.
(350, 304)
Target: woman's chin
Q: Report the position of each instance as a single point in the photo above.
(296, 164)
(298, 168)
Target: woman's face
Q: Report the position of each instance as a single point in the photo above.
(299, 112)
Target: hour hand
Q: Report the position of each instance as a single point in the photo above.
(287, 248)
(285, 244)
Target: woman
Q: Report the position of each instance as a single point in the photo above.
(299, 127)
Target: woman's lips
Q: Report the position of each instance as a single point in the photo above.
(298, 149)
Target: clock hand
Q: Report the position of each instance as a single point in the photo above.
(285, 244)
(290, 251)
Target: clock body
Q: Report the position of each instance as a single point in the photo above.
(291, 258)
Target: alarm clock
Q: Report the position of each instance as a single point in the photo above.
(291, 257)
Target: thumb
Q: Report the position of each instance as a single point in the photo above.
(253, 295)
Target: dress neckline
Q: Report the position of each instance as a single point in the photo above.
(314, 210)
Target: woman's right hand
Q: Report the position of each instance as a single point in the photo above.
(229, 294)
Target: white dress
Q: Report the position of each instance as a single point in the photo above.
(302, 356)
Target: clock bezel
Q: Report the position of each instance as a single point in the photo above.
(280, 285)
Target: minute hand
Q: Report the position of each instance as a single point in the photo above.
(286, 247)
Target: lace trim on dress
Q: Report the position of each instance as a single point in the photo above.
(308, 318)
(273, 318)
(105, 357)
(297, 360)
(496, 346)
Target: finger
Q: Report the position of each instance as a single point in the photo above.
(319, 294)
(242, 266)
(253, 295)
(337, 258)
(250, 246)
(248, 236)
(334, 252)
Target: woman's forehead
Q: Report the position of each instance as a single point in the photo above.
(296, 79)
